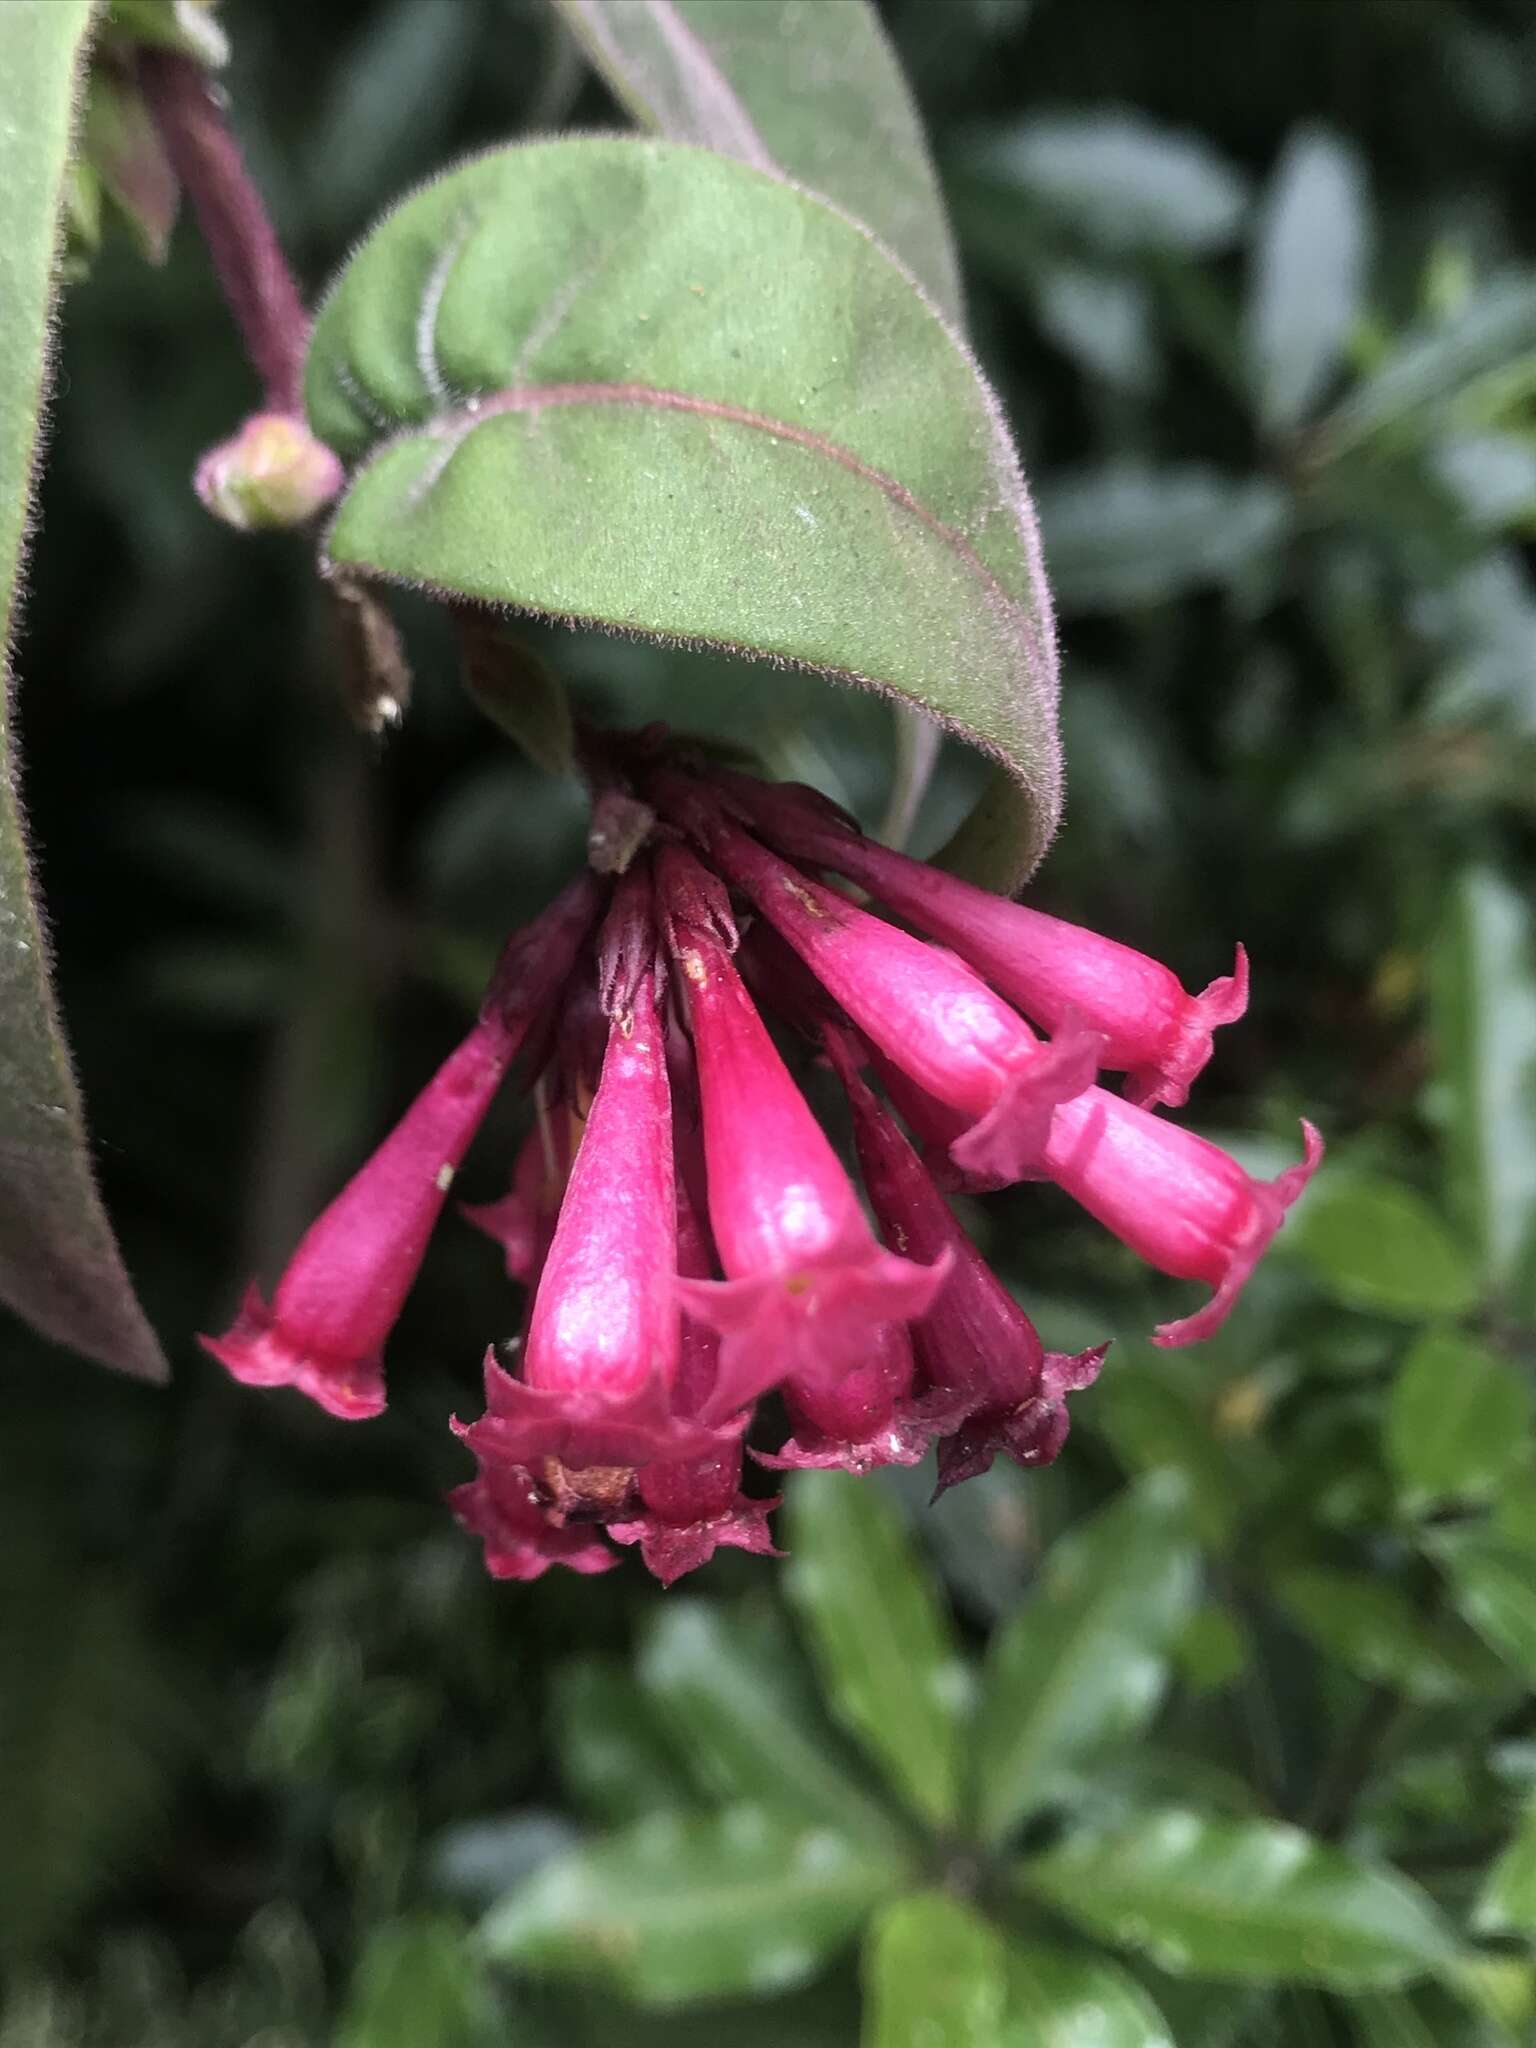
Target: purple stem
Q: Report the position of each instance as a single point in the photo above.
(247, 256)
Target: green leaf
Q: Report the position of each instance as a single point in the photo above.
(1458, 1421)
(1429, 371)
(933, 1977)
(1084, 1662)
(418, 1984)
(1376, 1244)
(1247, 1899)
(91, 1728)
(1123, 533)
(679, 1909)
(1494, 1587)
(1119, 181)
(793, 86)
(1371, 1628)
(1484, 991)
(613, 1756)
(727, 1686)
(1308, 274)
(581, 378)
(1063, 1998)
(59, 1265)
(880, 1635)
(1507, 1901)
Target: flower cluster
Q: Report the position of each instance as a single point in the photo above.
(691, 1241)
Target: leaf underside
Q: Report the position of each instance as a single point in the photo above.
(640, 385)
(59, 1265)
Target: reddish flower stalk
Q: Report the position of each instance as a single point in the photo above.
(345, 1285)
(1154, 1032)
(805, 1277)
(925, 1009)
(246, 254)
(993, 1386)
(1180, 1202)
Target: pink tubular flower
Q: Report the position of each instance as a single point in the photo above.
(993, 1387)
(925, 1009)
(501, 1505)
(602, 1348)
(344, 1287)
(1179, 1201)
(522, 1221)
(805, 1277)
(1154, 1032)
(691, 1507)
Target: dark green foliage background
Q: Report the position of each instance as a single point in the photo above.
(269, 1742)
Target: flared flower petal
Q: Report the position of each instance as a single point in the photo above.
(344, 1287)
(1183, 1204)
(1154, 1032)
(501, 1505)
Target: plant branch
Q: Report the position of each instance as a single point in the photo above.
(260, 288)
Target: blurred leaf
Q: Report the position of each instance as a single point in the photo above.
(1428, 371)
(1119, 180)
(694, 446)
(1247, 1899)
(1493, 1586)
(1485, 1027)
(1084, 1662)
(478, 1860)
(794, 86)
(933, 1977)
(387, 115)
(1124, 534)
(59, 1265)
(1507, 1901)
(418, 1985)
(1309, 272)
(91, 1726)
(613, 1755)
(1102, 321)
(1158, 1417)
(1377, 1244)
(1493, 476)
(1459, 1419)
(1371, 1627)
(880, 1636)
(120, 142)
(726, 1684)
(679, 1909)
(1064, 1998)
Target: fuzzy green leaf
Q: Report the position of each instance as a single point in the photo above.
(1507, 1902)
(880, 1636)
(1309, 271)
(1084, 1662)
(59, 1265)
(635, 383)
(417, 1985)
(1494, 1587)
(1247, 1899)
(793, 86)
(676, 1910)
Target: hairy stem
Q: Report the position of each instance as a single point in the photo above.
(188, 110)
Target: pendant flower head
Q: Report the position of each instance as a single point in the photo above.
(804, 1276)
(344, 1287)
(926, 1010)
(602, 1350)
(992, 1386)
